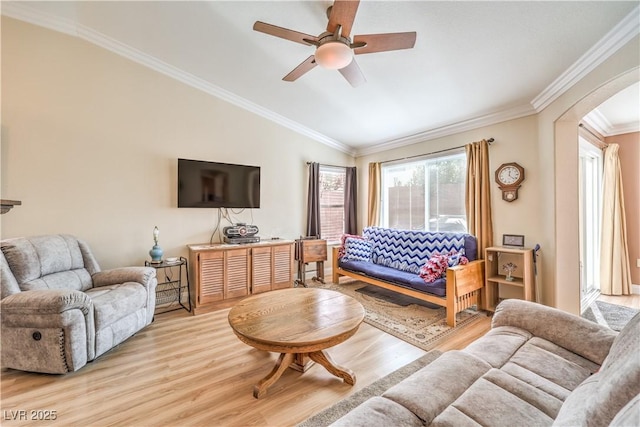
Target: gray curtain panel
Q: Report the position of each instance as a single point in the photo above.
(313, 200)
(350, 201)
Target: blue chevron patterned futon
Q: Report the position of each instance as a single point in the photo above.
(397, 255)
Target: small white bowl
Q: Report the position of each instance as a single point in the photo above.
(171, 259)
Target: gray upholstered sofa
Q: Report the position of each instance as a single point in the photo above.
(58, 309)
(538, 366)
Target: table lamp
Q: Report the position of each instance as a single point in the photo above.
(156, 251)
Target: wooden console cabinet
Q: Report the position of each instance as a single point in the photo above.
(222, 273)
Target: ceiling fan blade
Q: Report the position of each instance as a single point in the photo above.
(343, 12)
(353, 74)
(306, 65)
(284, 33)
(384, 42)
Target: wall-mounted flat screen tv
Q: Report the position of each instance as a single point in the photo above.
(203, 184)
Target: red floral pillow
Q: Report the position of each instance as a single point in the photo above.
(434, 268)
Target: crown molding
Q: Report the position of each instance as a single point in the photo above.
(622, 129)
(619, 35)
(451, 129)
(622, 33)
(20, 11)
(596, 120)
(24, 13)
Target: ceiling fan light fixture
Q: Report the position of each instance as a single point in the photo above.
(333, 55)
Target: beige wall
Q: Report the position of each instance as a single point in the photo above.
(629, 154)
(558, 134)
(90, 142)
(515, 141)
(546, 145)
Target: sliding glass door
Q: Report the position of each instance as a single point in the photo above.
(590, 181)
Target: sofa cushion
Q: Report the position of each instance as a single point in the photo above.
(407, 250)
(343, 239)
(113, 302)
(47, 262)
(551, 324)
(78, 279)
(629, 415)
(389, 274)
(545, 360)
(430, 390)
(379, 411)
(497, 397)
(498, 345)
(356, 249)
(600, 397)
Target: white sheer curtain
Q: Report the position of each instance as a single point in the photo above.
(615, 273)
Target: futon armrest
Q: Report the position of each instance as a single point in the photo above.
(475, 266)
(581, 336)
(46, 301)
(143, 275)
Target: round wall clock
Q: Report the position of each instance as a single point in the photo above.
(509, 176)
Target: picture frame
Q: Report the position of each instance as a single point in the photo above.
(513, 240)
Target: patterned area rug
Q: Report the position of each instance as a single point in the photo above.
(416, 322)
(376, 388)
(611, 315)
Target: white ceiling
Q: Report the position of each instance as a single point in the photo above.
(474, 63)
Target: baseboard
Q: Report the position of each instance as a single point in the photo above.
(635, 289)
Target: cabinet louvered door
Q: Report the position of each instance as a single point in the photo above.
(261, 261)
(210, 278)
(282, 267)
(230, 272)
(237, 273)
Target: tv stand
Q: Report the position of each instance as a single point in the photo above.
(222, 274)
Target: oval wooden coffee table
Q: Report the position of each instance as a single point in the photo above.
(299, 323)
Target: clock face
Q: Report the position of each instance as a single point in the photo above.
(509, 175)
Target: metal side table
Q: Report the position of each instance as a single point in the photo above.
(173, 279)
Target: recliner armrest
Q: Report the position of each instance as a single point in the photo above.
(581, 336)
(46, 301)
(143, 275)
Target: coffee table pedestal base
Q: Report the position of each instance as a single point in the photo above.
(302, 362)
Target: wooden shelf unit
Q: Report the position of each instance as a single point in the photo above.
(223, 273)
(523, 283)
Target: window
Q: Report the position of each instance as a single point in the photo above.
(590, 197)
(426, 194)
(332, 182)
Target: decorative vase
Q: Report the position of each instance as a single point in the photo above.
(156, 254)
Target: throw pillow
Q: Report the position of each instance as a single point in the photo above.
(342, 241)
(457, 258)
(434, 268)
(357, 249)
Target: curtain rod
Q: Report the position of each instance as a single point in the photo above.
(490, 141)
(595, 135)
(330, 166)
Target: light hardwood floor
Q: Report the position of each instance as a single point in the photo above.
(632, 301)
(188, 370)
(185, 371)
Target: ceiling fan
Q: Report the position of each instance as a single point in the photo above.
(334, 47)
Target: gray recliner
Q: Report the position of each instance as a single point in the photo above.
(58, 309)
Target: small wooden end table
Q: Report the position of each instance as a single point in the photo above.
(299, 323)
